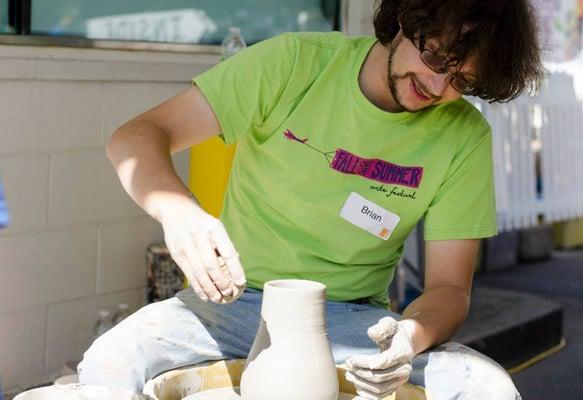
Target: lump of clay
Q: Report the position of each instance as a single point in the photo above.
(236, 290)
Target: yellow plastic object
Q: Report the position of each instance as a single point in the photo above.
(210, 165)
(539, 357)
(182, 382)
(568, 234)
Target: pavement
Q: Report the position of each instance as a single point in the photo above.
(558, 280)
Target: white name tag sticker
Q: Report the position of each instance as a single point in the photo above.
(368, 216)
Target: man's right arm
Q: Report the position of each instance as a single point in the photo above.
(140, 151)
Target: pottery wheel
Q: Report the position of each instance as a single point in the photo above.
(233, 394)
(216, 394)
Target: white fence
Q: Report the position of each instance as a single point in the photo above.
(538, 156)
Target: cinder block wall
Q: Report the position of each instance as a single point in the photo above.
(77, 242)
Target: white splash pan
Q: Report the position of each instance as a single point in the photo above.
(180, 383)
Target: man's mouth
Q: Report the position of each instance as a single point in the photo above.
(415, 89)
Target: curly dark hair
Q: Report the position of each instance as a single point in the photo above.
(502, 35)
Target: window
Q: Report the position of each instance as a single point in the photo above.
(169, 21)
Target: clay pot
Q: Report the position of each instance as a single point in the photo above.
(291, 357)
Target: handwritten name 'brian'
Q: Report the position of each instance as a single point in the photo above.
(371, 214)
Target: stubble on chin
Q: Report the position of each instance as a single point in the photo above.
(393, 79)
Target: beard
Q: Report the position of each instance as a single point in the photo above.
(394, 78)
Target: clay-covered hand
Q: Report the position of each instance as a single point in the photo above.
(379, 375)
(200, 245)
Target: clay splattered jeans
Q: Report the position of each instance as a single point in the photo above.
(184, 331)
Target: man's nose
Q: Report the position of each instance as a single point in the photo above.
(438, 83)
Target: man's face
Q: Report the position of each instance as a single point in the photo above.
(413, 85)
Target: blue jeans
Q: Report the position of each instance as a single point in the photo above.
(185, 330)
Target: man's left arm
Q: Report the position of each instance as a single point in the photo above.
(431, 319)
(437, 314)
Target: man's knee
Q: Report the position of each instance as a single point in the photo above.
(113, 361)
(158, 337)
(487, 380)
(454, 371)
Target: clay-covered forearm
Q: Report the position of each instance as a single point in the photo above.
(435, 316)
(140, 153)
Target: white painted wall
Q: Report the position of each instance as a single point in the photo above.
(357, 16)
(77, 242)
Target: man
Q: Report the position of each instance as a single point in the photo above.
(344, 144)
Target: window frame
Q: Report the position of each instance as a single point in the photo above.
(20, 16)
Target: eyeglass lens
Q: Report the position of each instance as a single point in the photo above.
(437, 64)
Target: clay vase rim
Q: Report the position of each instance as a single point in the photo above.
(303, 285)
(299, 301)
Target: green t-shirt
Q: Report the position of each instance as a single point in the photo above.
(307, 138)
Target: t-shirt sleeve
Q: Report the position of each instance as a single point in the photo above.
(243, 89)
(465, 205)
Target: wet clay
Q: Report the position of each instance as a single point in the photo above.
(236, 291)
(291, 357)
(233, 394)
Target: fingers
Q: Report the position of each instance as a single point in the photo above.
(236, 291)
(384, 360)
(376, 361)
(211, 264)
(198, 290)
(382, 375)
(383, 330)
(200, 274)
(372, 390)
(227, 251)
(201, 247)
(182, 261)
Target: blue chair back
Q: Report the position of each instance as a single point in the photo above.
(4, 218)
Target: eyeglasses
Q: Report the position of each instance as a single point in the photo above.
(438, 65)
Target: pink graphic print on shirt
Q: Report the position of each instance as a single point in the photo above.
(375, 169)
